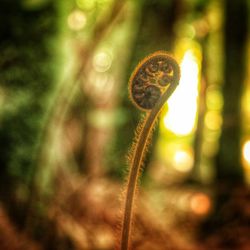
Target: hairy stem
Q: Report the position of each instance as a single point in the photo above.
(137, 158)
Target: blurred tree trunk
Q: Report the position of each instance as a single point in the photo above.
(199, 10)
(229, 168)
(155, 32)
(196, 175)
(229, 171)
(29, 66)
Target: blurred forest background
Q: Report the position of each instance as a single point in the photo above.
(67, 124)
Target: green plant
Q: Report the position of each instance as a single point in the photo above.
(150, 85)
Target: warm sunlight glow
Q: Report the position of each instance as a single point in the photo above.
(214, 100)
(102, 61)
(183, 161)
(246, 151)
(180, 118)
(200, 204)
(77, 20)
(213, 120)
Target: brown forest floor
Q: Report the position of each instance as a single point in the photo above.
(84, 215)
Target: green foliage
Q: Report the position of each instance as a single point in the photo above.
(29, 68)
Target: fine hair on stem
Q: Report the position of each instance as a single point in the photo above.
(150, 85)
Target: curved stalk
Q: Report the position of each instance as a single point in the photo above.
(140, 149)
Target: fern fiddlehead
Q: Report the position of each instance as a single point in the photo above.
(150, 85)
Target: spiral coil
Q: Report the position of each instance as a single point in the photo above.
(150, 85)
(151, 77)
